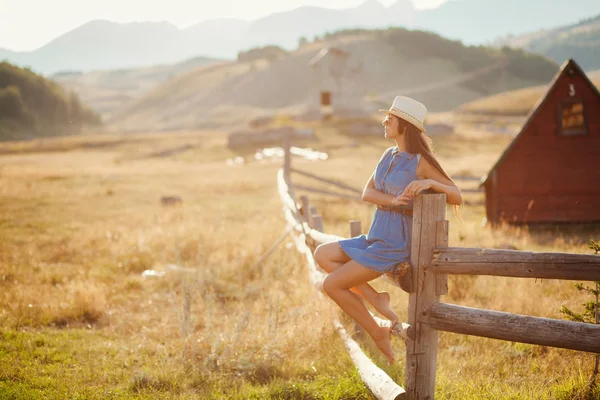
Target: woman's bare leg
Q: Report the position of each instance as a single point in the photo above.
(337, 286)
(330, 257)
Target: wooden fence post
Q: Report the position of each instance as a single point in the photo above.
(317, 222)
(421, 353)
(355, 228)
(441, 240)
(287, 158)
(305, 207)
(311, 212)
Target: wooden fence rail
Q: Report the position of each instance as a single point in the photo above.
(517, 264)
(432, 260)
(515, 327)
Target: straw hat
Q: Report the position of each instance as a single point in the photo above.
(409, 110)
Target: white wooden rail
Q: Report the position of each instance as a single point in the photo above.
(432, 260)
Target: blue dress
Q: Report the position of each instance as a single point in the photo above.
(388, 241)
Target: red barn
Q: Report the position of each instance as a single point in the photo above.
(551, 170)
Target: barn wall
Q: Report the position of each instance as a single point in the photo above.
(549, 177)
(550, 208)
(489, 197)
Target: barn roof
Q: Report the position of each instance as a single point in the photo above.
(567, 65)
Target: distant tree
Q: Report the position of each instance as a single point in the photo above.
(11, 105)
(270, 53)
(528, 66)
(75, 109)
(38, 104)
(302, 42)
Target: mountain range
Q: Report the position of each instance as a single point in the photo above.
(580, 41)
(103, 44)
(362, 69)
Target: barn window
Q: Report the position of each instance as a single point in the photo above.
(571, 118)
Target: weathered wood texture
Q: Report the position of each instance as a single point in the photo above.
(518, 264)
(515, 327)
(317, 222)
(312, 211)
(305, 206)
(421, 354)
(355, 228)
(441, 242)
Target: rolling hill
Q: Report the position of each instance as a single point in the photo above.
(107, 45)
(580, 41)
(108, 90)
(516, 103)
(379, 64)
(33, 106)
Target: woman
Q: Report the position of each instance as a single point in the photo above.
(402, 172)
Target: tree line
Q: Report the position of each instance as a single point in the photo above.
(31, 105)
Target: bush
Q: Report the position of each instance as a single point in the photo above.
(270, 53)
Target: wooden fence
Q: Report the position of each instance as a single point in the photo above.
(432, 260)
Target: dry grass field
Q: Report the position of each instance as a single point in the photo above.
(81, 220)
(518, 102)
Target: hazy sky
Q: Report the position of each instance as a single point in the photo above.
(29, 24)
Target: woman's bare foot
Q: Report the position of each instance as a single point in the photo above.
(384, 344)
(382, 305)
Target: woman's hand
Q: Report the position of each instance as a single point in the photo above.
(401, 200)
(416, 187)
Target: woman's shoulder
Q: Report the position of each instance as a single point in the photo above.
(389, 150)
(386, 152)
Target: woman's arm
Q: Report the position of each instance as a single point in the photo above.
(435, 181)
(372, 195)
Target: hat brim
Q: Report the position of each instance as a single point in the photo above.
(417, 124)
